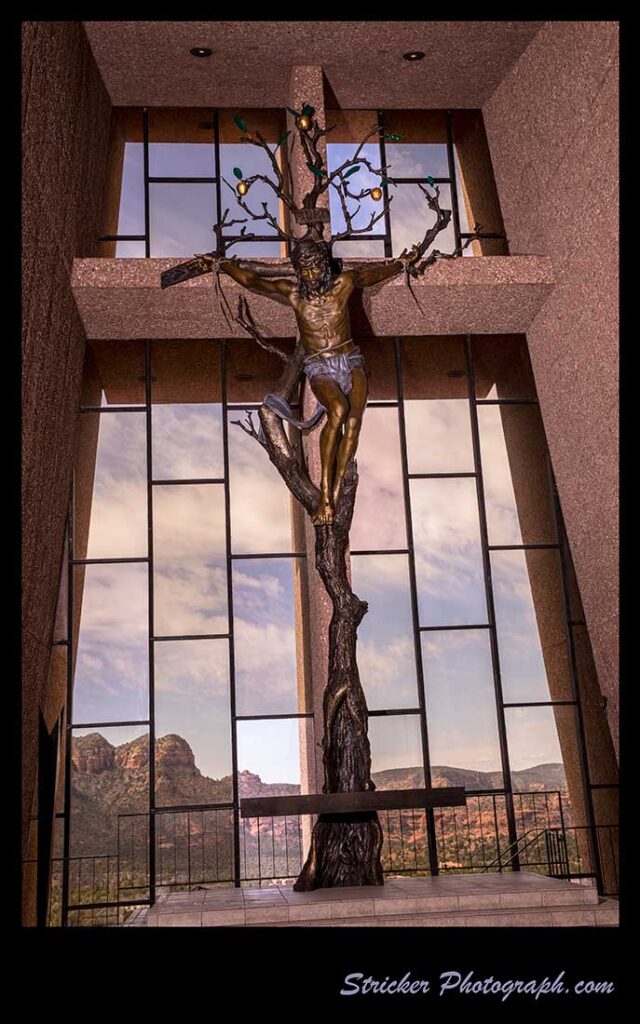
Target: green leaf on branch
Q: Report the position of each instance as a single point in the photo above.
(317, 171)
(308, 110)
(238, 173)
(430, 180)
(283, 138)
(352, 170)
(388, 181)
(242, 125)
(393, 138)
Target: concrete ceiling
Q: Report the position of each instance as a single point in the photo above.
(148, 62)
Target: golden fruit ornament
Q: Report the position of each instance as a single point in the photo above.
(304, 122)
(376, 194)
(242, 187)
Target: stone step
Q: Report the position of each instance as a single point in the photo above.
(402, 901)
(604, 914)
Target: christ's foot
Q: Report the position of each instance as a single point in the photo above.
(324, 513)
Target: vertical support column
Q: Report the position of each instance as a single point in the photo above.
(306, 86)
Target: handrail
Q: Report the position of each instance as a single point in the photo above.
(518, 849)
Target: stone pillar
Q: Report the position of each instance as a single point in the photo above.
(306, 86)
(65, 112)
(554, 153)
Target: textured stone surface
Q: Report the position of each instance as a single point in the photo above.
(552, 127)
(485, 295)
(497, 900)
(65, 114)
(148, 62)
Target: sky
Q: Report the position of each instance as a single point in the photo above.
(190, 594)
(190, 584)
(182, 215)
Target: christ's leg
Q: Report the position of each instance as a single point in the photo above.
(330, 395)
(349, 443)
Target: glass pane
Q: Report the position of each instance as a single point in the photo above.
(181, 143)
(537, 739)
(386, 653)
(439, 436)
(252, 373)
(131, 213)
(193, 723)
(110, 504)
(187, 442)
(182, 217)
(502, 368)
(465, 214)
(434, 368)
(396, 752)
(112, 628)
(269, 756)
(378, 521)
(194, 849)
(462, 721)
(380, 367)
(417, 160)
(260, 501)
(190, 577)
(256, 250)
(528, 599)
(185, 372)
(251, 160)
(477, 189)
(361, 249)
(516, 475)
(446, 538)
(131, 250)
(114, 374)
(362, 181)
(265, 598)
(109, 777)
(411, 216)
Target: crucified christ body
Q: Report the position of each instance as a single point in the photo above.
(334, 365)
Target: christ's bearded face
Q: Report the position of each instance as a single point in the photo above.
(313, 269)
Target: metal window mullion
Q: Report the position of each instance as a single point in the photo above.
(388, 246)
(573, 674)
(232, 666)
(68, 717)
(151, 630)
(486, 560)
(220, 248)
(452, 175)
(145, 154)
(417, 642)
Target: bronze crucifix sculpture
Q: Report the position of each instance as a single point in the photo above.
(345, 849)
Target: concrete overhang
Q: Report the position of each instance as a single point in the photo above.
(122, 298)
(148, 63)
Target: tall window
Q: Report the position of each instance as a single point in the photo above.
(415, 150)
(170, 179)
(190, 638)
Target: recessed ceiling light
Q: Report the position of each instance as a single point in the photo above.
(413, 55)
(200, 51)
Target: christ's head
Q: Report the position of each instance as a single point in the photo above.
(312, 264)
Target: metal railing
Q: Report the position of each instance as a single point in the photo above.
(194, 848)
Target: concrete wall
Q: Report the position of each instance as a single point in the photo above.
(552, 126)
(66, 112)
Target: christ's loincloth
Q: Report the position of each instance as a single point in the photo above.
(338, 368)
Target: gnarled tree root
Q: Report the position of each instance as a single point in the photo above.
(345, 850)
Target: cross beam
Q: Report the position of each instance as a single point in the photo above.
(352, 803)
